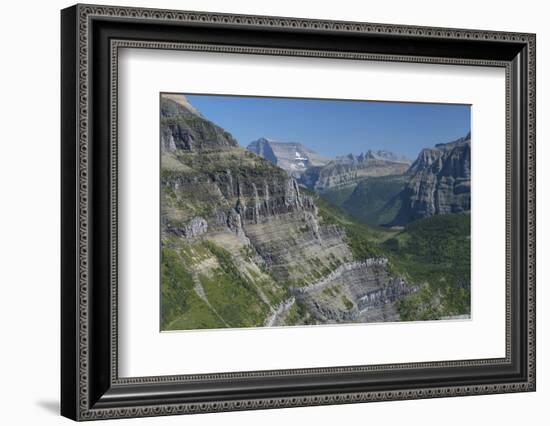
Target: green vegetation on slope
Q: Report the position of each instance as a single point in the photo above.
(298, 315)
(183, 308)
(375, 199)
(435, 251)
(227, 284)
(364, 240)
(339, 195)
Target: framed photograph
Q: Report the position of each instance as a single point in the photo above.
(263, 212)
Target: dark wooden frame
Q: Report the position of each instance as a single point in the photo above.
(90, 386)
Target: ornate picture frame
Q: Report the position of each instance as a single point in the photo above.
(91, 37)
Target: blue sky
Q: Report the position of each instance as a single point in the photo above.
(336, 127)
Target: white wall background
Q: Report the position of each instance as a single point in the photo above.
(29, 212)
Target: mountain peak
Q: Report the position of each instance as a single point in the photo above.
(182, 101)
(446, 145)
(293, 157)
(185, 128)
(439, 182)
(266, 140)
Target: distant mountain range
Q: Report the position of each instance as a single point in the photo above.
(437, 182)
(293, 157)
(345, 172)
(379, 186)
(380, 154)
(320, 172)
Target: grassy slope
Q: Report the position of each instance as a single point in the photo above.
(182, 308)
(246, 308)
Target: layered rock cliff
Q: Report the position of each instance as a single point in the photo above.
(349, 170)
(239, 235)
(368, 294)
(439, 182)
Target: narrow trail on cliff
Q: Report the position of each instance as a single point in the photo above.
(280, 311)
(337, 273)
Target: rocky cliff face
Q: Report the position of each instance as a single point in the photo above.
(238, 234)
(211, 185)
(439, 182)
(292, 157)
(184, 128)
(368, 294)
(349, 170)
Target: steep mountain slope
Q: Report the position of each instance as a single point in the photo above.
(243, 245)
(346, 172)
(435, 250)
(439, 182)
(375, 200)
(292, 157)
